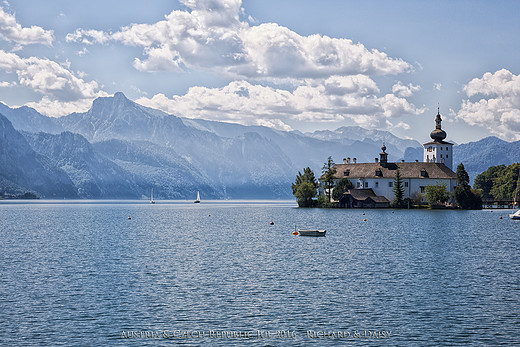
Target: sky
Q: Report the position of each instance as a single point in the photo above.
(285, 64)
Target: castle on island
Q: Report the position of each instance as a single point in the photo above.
(374, 182)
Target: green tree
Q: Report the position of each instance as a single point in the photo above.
(466, 197)
(341, 187)
(436, 194)
(304, 187)
(504, 186)
(485, 180)
(499, 182)
(398, 191)
(328, 170)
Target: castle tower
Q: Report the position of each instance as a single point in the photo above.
(438, 150)
(383, 156)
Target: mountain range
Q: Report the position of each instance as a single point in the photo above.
(120, 149)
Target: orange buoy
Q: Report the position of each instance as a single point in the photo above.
(364, 220)
(295, 233)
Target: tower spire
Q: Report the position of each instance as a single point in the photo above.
(438, 134)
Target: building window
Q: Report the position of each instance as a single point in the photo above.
(357, 185)
(446, 156)
(441, 148)
(422, 189)
(441, 155)
(377, 184)
(346, 173)
(390, 184)
(366, 185)
(406, 184)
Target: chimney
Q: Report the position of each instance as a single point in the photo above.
(348, 160)
(344, 160)
(377, 160)
(355, 160)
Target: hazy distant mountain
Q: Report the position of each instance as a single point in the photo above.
(490, 151)
(23, 170)
(357, 135)
(93, 176)
(28, 119)
(153, 166)
(126, 149)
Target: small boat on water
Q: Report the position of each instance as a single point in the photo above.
(152, 201)
(311, 232)
(515, 215)
(197, 201)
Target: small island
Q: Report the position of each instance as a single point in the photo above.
(382, 184)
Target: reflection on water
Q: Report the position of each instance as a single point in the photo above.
(82, 273)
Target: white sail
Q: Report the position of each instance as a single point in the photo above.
(152, 201)
(198, 197)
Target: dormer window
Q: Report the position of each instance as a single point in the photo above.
(424, 173)
(346, 173)
(379, 173)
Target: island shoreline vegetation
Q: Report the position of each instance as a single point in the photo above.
(497, 183)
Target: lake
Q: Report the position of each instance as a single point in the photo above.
(218, 273)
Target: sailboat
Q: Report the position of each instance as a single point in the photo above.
(152, 201)
(198, 198)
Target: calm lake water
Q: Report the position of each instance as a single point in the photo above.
(217, 273)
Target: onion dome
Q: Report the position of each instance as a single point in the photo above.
(438, 134)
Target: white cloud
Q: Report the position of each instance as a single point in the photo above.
(403, 91)
(211, 36)
(403, 126)
(83, 51)
(5, 84)
(252, 104)
(12, 31)
(494, 103)
(88, 37)
(47, 77)
(57, 108)
(64, 91)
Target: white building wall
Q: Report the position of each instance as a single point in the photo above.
(439, 153)
(381, 186)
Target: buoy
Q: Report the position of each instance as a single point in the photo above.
(129, 217)
(272, 223)
(363, 213)
(499, 217)
(295, 233)
(392, 211)
(364, 220)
